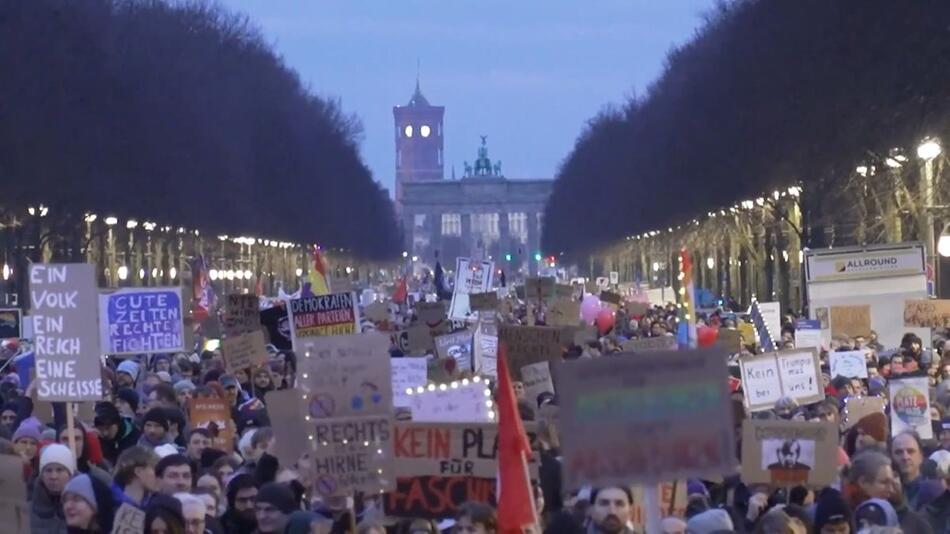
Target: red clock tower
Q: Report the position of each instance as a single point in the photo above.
(419, 142)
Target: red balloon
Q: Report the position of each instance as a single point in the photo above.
(605, 320)
(707, 335)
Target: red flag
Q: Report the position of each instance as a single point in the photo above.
(401, 292)
(515, 498)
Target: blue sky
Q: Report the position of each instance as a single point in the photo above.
(528, 74)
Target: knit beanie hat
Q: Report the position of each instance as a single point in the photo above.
(184, 385)
(106, 414)
(130, 368)
(130, 396)
(54, 453)
(156, 415)
(29, 428)
(82, 486)
(877, 512)
(874, 425)
(831, 508)
(279, 496)
(707, 522)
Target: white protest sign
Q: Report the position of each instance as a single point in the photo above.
(408, 373)
(485, 345)
(128, 520)
(458, 402)
(537, 380)
(760, 382)
(801, 376)
(63, 299)
(471, 276)
(910, 406)
(808, 334)
(850, 364)
(792, 373)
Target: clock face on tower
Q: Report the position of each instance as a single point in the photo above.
(408, 130)
(424, 130)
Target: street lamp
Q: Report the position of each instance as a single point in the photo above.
(123, 272)
(112, 221)
(90, 217)
(929, 149)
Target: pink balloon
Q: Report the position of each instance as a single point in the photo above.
(590, 307)
(605, 320)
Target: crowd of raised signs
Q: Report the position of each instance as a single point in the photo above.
(180, 445)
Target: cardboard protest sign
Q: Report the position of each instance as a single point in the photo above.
(287, 409)
(13, 502)
(348, 383)
(241, 314)
(457, 346)
(538, 288)
(850, 364)
(851, 321)
(11, 321)
(326, 315)
(645, 419)
(471, 276)
(581, 335)
(673, 501)
(483, 301)
(927, 313)
(792, 373)
(63, 300)
(649, 344)
(458, 402)
(808, 334)
(244, 350)
(420, 339)
(857, 407)
(451, 449)
(435, 497)
(614, 277)
(563, 312)
(789, 453)
(377, 312)
(910, 406)
(215, 415)
(408, 373)
(431, 314)
(443, 369)
(537, 380)
(137, 320)
(529, 344)
(128, 520)
(485, 345)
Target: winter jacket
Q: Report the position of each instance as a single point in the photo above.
(127, 437)
(911, 522)
(937, 514)
(46, 512)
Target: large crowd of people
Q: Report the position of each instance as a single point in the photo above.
(138, 448)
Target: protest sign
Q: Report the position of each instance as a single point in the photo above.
(563, 312)
(443, 369)
(13, 502)
(348, 375)
(408, 373)
(614, 278)
(452, 449)
(431, 314)
(851, 321)
(458, 402)
(483, 301)
(326, 315)
(645, 419)
(537, 380)
(649, 344)
(215, 415)
(287, 409)
(730, 340)
(244, 350)
(927, 313)
(137, 320)
(529, 344)
(637, 308)
(241, 314)
(850, 364)
(792, 373)
(808, 334)
(857, 407)
(11, 321)
(672, 502)
(353, 454)
(457, 346)
(789, 453)
(128, 520)
(910, 406)
(580, 335)
(763, 330)
(435, 497)
(485, 346)
(471, 276)
(66, 337)
(538, 288)
(420, 339)
(377, 312)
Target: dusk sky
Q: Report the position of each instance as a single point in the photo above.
(526, 74)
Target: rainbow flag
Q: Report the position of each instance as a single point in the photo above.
(686, 316)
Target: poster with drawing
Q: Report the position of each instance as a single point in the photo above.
(789, 453)
(471, 276)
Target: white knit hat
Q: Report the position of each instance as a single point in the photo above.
(54, 453)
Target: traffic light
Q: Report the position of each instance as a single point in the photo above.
(537, 256)
(508, 257)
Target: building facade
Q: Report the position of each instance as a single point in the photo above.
(482, 215)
